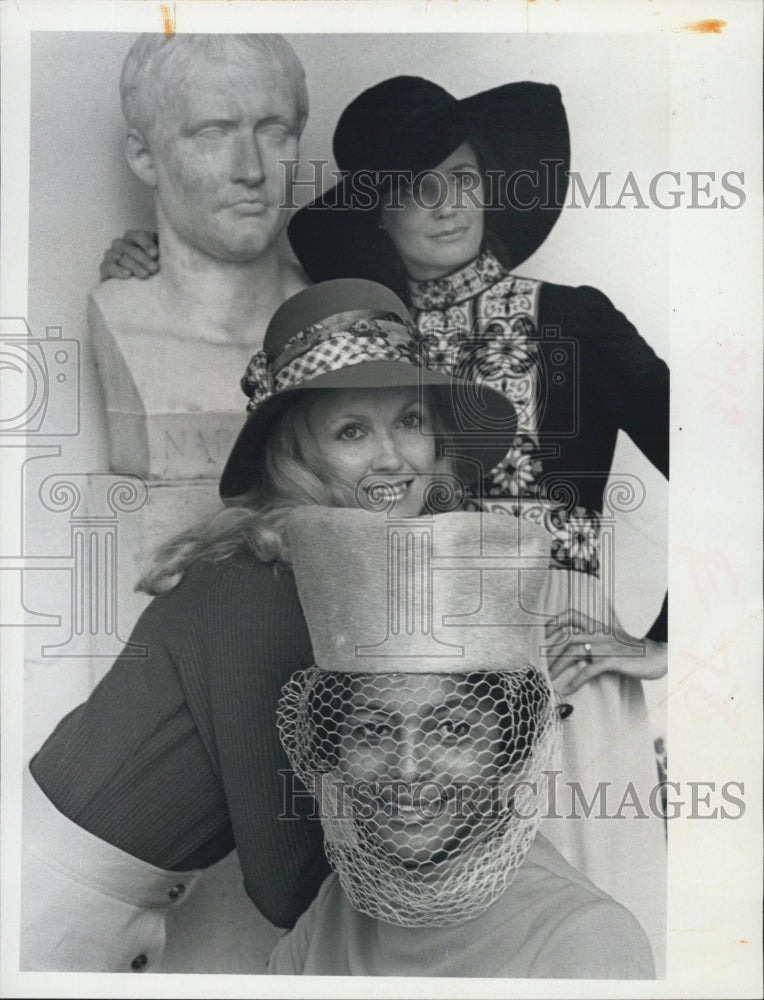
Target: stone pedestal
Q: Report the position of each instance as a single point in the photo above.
(173, 402)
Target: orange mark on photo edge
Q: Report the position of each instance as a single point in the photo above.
(167, 20)
(711, 26)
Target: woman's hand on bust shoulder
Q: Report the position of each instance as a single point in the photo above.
(580, 648)
(135, 255)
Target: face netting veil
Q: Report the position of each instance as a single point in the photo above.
(430, 786)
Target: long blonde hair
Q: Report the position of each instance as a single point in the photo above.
(290, 475)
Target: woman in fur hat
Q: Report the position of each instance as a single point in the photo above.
(428, 747)
(174, 759)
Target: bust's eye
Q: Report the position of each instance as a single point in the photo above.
(277, 130)
(211, 132)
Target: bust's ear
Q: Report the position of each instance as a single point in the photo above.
(140, 157)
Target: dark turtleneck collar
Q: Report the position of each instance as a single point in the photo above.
(475, 277)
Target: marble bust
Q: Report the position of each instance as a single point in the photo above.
(210, 118)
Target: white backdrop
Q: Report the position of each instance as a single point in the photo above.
(655, 93)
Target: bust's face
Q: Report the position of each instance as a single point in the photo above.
(217, 143)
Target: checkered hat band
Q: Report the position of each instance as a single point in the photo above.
(341, 342)
(359, 322)
(342, 351)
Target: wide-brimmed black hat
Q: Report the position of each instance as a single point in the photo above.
(356, 334)
(406, 126)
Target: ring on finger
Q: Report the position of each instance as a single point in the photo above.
(587, 653)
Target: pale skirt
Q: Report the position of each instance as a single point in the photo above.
(608, 750)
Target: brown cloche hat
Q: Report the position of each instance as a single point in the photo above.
(351, 333)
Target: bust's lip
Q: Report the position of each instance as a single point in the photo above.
(253, 204)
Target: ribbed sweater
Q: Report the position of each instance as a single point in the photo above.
(175, 757)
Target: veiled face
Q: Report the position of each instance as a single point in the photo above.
(420, 755)
(429, 784)
(438, 227)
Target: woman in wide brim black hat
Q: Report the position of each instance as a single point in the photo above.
(443, 199)
(402, 130)
(407, 126)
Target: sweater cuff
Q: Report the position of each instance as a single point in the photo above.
(87, 905)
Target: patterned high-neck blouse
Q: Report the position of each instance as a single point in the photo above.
(480, 322)
(577, 372)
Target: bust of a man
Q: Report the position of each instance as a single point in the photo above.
(210, 119)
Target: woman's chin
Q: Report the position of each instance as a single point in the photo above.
(420, 850)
